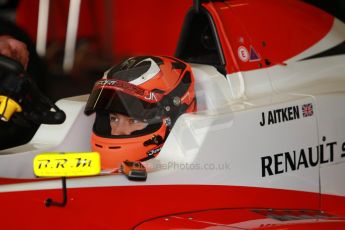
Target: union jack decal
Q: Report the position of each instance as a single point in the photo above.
(307, 110)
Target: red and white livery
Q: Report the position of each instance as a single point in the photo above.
(265, 149)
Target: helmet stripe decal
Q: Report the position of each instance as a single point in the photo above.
(99, 94)
(149, 74)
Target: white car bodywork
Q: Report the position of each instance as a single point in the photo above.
(226, 142)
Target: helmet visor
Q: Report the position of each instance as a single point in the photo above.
(111, 100)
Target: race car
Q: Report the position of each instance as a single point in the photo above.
(264, 150)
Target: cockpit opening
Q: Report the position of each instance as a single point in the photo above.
(199, 42)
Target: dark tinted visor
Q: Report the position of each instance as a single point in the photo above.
(102, 127)
(110, 100)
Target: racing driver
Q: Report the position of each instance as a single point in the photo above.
(137, 103)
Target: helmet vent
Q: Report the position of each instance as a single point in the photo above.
(99, 146)
(114, 147)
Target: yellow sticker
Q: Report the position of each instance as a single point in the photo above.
(67, 164)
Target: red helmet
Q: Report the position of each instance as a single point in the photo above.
(152, 89)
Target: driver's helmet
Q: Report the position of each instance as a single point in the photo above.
(152, 89)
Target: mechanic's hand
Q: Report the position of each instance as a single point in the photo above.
(14, 49)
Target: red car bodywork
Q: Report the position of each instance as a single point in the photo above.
(276, 30)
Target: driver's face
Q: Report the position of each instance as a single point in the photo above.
(124, 125)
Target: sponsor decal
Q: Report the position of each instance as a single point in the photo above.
(121, 85)
(105, 82)
(286, 114)
(307, 110)
(151, 96)
(254, 56)
(129, 89)
(301, 158)
(67, 164)
(243, 53)
(153, 152)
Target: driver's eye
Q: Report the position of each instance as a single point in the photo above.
(113, 119)
(133, 121)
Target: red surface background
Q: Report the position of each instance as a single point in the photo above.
(119, 28)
